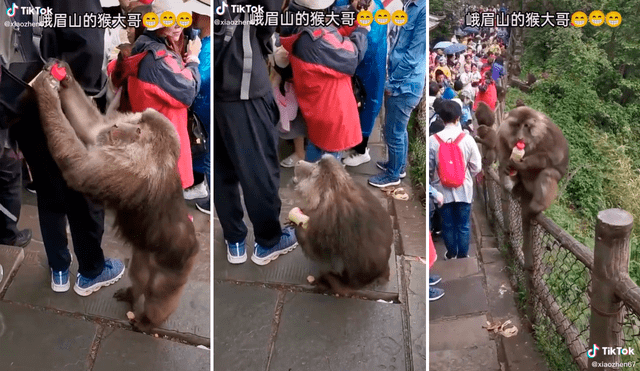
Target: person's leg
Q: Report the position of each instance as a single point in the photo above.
(298, 145)
(313, 153)
(226, 197)
(463, 228)
(447, 212)
(399, 110)
(10, 197)
(248, 129)
(86, 222)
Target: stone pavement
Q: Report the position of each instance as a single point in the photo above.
(477, 290)
(269, 318)
(41, 330)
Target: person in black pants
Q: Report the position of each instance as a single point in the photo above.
(83, 49)
(245, 139)
(10, 197)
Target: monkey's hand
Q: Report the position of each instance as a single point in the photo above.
(46, 88)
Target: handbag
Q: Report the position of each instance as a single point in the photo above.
(197, 134)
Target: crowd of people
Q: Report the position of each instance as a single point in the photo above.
(324, 85)
(458, 82)
(163, 68)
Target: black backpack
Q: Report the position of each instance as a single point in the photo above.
(20, 60)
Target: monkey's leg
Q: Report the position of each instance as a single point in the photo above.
(545, 190)
(139, 274)
(82, 113)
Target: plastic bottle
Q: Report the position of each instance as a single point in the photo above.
(518, 151)
(296, 216)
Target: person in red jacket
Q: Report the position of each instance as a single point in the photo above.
(160, 75)
(486, 92)
(323, 60)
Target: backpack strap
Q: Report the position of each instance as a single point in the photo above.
(459, 138)
(438, 139)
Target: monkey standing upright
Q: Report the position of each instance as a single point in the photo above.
(545, 161)
(127, 161)
(487, 135)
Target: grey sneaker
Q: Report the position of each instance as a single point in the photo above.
(111, 273)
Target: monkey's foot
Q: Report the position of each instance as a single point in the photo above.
(125, 295)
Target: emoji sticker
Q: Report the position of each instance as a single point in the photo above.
(150, 20)
(382, 16)
(184, 19)
(596, 18)
(167, 19)
(365, 18)
(579, 19)
(613, 19)
(399, 18)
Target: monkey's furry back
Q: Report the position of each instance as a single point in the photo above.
(347, 227)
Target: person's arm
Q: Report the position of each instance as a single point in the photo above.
(167, 73)
(475, 160)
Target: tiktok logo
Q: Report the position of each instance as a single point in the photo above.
(11, 11)
(591, 353)
(220, 10)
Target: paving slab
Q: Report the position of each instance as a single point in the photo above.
(126, 350)
(292, 268)
(489, 254)
(243, 317)
(33, 340)
(456, 268)
(412, 222)
(319, 332)
(416, 291)
(461, 344)
(32, 285)
(464, 296)
(478, 358)
(10, 259)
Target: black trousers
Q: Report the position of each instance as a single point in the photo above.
(245, 154)
(10, 197)
(58, 203)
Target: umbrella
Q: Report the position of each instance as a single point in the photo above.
(455, 48)
(442, 44)
(470, 30)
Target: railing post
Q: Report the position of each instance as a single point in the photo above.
(611, 260)
(527, 252)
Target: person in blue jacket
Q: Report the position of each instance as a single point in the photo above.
(407, 68)
(371, 71)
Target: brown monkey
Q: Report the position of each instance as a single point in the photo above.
(501, 93)
(348, 228)
(519, 103)
(127, 161)
(487, 135)
(545, 160)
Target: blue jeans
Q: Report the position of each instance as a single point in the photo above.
(313, 153)
(398, 110)
(456, 228)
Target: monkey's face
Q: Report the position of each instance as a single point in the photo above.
(526, 124)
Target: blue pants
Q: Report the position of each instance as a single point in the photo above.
(313, 153)
(398, 110)
(456, 228)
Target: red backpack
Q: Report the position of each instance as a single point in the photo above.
(451, 167)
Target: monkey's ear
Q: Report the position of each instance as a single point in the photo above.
(113, 107)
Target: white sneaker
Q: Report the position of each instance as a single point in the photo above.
(357, 159)
(196, 191)
(290, 161)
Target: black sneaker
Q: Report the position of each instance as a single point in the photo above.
(204, 205)
(22, 239)
(30, 187)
